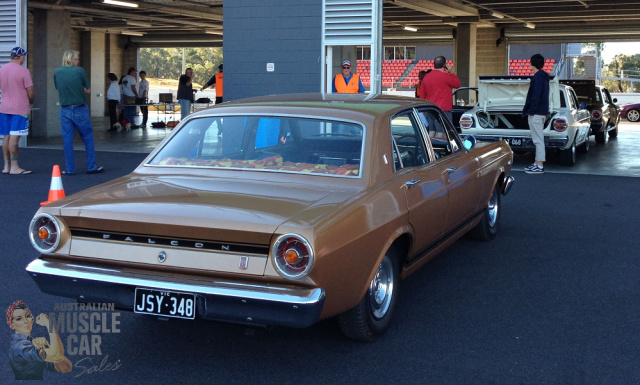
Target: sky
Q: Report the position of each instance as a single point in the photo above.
(613, 49)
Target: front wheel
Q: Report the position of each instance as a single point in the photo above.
(488, 226)
(372, 315)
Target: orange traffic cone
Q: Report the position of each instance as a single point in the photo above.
(56, 191)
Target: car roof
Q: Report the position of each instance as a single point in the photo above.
(373, 105)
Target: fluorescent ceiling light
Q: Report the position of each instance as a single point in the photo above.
(132, 33)
(530, 25)
(121, 3)
(412, 29)
(497, 15)
(139, 23)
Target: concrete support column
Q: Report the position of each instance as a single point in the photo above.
(465, 54)
(50, 39)
(93, 60)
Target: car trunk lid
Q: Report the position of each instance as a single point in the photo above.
(510, 93)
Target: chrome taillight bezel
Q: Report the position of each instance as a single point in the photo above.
(596, 115)
(297, 243)
(559, 125)
(466, 122)
(52, 225)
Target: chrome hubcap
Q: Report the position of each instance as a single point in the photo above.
(493, 208)
(381, 289)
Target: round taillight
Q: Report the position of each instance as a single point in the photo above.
(466, 122)
(560, 125)
(292, 256)
(596, 114)
(44, 233)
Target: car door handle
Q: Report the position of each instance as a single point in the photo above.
(412, 183)
(451, 169)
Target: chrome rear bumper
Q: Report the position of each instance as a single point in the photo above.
(216, 299)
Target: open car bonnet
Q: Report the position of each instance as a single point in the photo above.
(510, 93)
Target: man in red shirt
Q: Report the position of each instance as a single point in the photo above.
(437, 85)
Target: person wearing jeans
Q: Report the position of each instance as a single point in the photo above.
(72, 84)
(185, 93)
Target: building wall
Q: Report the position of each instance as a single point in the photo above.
(491, 59)
(286, 33)
(525, 51)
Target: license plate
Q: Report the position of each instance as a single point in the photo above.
(516, 142)
(165, 303)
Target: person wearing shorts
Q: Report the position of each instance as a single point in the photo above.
(17, 96)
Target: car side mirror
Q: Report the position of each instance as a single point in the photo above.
(469, 142)
(615, 100)
(583, 105)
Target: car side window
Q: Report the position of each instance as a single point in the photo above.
(408, 143)
(443, 138)
(573, 99)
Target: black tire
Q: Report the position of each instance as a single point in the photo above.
(568, 156)
(601, 137)
(584, 147)
(372, 316)
(487, 229)
(633, 115)
(613, 132)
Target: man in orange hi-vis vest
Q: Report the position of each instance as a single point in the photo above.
(347, 82)
(217, 81)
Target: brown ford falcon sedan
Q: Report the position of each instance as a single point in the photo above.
(277, 211)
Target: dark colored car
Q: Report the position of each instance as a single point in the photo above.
(631, 112)
(605, 113)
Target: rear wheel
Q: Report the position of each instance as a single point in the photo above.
(372, 315)
(601, 137)
(568, 156)
(584, 147)
(613, 132)
(633, 115)
(488, 226)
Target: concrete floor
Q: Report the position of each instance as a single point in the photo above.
(616, 157)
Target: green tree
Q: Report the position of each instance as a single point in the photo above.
(166, 63)
(622, 65)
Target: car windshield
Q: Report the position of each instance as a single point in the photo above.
(266, 143)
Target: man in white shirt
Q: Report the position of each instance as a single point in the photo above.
(130, 84)
(143, 92)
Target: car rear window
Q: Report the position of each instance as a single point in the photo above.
(266, 143)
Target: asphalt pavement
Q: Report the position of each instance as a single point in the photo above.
(553, 299)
